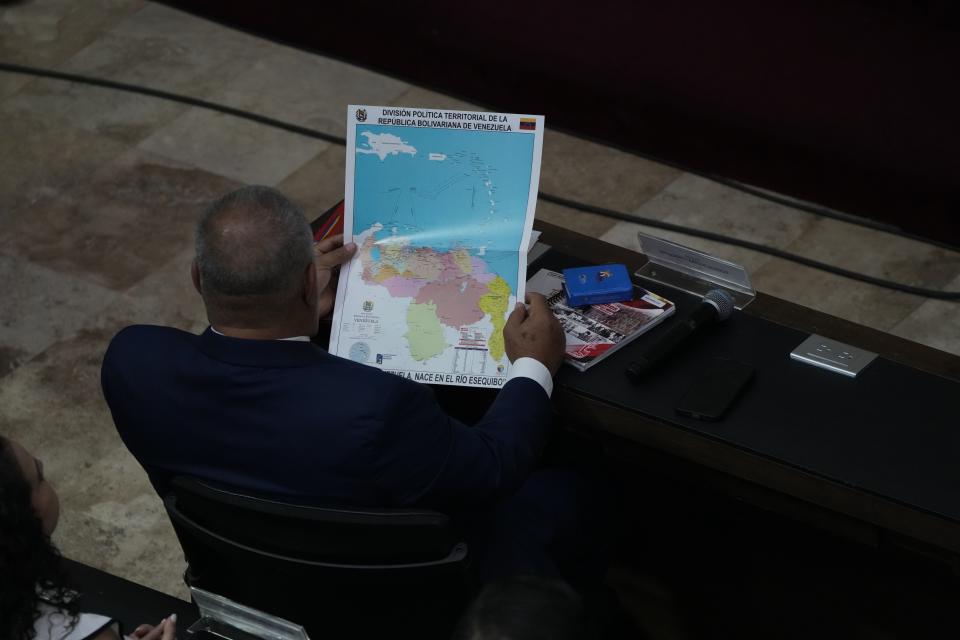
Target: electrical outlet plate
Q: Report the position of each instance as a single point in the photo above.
(833, 355)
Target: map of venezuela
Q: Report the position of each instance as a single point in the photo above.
(450, 288)
(440, 218)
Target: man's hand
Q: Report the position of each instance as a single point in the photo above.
(535, 333)
(329, 254)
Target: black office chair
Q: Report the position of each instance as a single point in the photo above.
(355, 571)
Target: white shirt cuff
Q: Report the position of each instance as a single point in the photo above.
(533, 369)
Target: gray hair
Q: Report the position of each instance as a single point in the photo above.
(252, 244)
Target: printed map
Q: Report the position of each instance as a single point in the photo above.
(440, 217)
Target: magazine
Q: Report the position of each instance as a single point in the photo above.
(596, 331)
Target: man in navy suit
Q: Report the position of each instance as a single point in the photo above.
(252, 403)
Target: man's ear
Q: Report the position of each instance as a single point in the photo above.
(310, 293)
(195, 275)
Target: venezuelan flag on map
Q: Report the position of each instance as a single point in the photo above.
(528, 124)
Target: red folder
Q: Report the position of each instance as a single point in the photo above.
(330, 223)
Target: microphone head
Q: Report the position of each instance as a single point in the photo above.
(721, 301)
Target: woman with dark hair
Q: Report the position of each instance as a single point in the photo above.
(34, 603)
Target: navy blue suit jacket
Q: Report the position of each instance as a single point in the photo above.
(288, 418)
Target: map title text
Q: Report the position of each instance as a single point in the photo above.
(445, 120)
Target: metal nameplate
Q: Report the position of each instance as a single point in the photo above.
(693, 271)
(220, 613)
(833, 355)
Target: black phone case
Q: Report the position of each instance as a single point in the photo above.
(713, 392)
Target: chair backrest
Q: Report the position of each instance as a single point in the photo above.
(360, 538)
(283, 556)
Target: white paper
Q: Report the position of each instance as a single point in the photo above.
(441, 206)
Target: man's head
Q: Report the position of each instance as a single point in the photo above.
(254, 265)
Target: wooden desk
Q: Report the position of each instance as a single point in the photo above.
(847, 507)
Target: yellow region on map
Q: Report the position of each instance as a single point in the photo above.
(424, 332)
(495, 303)
(462, 258)
(386, 272)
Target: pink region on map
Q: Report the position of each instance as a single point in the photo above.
(483, 277)
(451, 269)
(480, 270)
(402, 286)
(458, 301)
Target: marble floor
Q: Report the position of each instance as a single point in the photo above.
(99, 192)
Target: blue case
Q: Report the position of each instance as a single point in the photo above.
(596, 285)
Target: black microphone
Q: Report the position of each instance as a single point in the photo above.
(716, 306)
